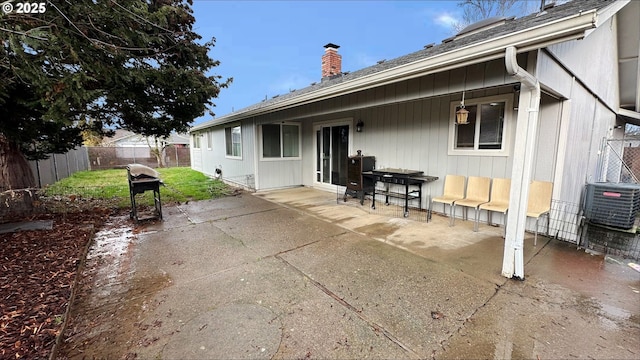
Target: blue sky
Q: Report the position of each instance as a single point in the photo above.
(271, 47)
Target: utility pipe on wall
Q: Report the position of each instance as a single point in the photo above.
(523, 154)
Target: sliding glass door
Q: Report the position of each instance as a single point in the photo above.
(332, 152)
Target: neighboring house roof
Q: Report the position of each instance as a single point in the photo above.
(176, 138)
(557, 24)
(119, 135)
(125, 135)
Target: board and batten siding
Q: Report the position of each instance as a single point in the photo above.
(544, 163)
(415, 135)
(592, 60)
(584, 71)
(589, 123)
(239, 171)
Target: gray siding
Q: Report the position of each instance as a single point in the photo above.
(275, 173)
(238, 171)
(593, 89)
(593, 60)
(278, 174)
(589, 123)
(547, 139)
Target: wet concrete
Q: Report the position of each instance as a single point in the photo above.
(110, 297)
(291, 274)
(572, 305)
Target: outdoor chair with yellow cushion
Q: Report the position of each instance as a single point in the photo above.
(477, 194)
(453, 191)
(539, 203)
(500, 190)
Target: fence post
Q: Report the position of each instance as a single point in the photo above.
(66, 157)
(55, 166)
(38, 173)
(600, 169)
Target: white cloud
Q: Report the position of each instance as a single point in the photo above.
(446, 20)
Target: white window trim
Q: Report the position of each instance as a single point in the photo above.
(232, 157)
(509, 121)
(209, 138)
(282, 158)
(349, 121)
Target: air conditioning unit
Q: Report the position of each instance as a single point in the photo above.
(611, 204)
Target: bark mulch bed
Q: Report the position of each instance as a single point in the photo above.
(38, 270)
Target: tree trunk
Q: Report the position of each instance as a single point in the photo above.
(156, 152)
(15, 172)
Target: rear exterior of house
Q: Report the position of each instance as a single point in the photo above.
(407, 108)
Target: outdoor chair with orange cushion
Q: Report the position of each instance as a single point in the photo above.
(500, 190)
(478, 189)
(453, 191)
(539, 203)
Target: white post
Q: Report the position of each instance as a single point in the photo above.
(524, 149)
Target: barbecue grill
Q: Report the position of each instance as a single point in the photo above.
(402, 177)
(143, 178)
(358, 185)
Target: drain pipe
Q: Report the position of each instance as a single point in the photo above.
(523, 154)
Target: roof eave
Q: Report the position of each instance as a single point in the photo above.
(608, 11)
(632, 117)
(543, 35)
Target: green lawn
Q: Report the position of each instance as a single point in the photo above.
(181, 184)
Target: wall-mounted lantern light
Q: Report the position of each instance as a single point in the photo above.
(462, 115)
(359, 126)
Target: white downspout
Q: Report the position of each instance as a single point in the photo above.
(523, 154)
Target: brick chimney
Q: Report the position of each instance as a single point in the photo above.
(331, 61)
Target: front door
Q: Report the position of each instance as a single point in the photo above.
(332, 151)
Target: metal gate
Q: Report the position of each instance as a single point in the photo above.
(619, 160)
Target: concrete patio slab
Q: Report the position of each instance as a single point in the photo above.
(294, 274)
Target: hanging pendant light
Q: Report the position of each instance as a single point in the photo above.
(462, 115)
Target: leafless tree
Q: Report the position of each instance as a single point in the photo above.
(632, 131)
(476, 10)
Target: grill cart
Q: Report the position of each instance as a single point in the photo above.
(143, 178)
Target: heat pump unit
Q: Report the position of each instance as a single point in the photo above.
(614, 205)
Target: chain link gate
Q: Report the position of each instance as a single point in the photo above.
(620, 160)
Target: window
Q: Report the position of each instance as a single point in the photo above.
(233, 140)
(280, 141)
(209, 140)
(196, 141)
(485, 133)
